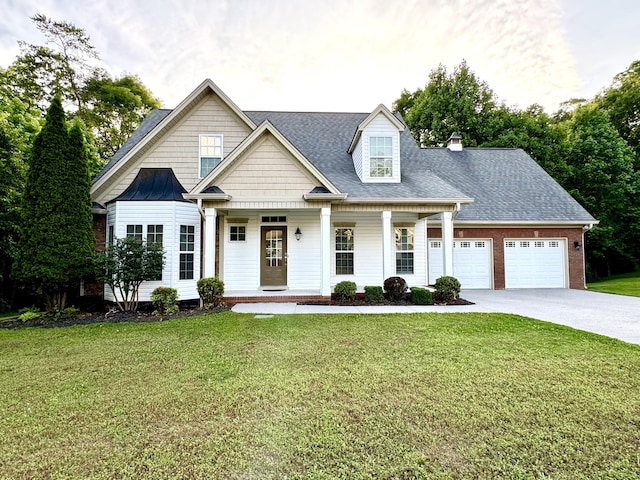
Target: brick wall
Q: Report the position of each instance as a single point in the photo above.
(93, 288)
(575, 257)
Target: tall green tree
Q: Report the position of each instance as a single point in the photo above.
(113, 109)
(622, 102)
(450, 102)
(56, 237)
(602, 178)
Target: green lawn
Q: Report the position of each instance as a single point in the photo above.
(319, 396)
(626, 284)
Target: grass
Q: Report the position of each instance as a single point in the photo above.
(363, 396)
(625, 284)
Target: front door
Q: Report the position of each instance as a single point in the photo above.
(273, 255)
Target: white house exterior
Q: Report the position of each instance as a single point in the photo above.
(283, 203)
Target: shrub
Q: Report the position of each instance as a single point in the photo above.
(447, 289)
(211, 291)
(373, 295)
(395, 287)
(421, 296)
(29, 313)
(165, 299)
(345, 292)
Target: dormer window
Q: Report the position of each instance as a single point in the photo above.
(210, 153)
(381, 157)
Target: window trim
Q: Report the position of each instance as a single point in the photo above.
(406, 251)
(201, 157)
(385, 159)
(341, 252)
(238, 239)
(135, 234)
(186, 250)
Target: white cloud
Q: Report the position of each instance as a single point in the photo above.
(324, 55)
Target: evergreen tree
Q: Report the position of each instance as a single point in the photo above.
(56, 238)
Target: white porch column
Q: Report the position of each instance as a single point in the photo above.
(325, 250)
(387, 252)
(210, 242)
(447, 243)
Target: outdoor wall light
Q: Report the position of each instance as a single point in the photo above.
(298, 233)
(577, 245)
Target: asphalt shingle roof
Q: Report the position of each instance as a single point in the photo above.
(506, 184)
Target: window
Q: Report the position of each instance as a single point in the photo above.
(110, 237)
(274, 219)
(187, 247)
(510, 244)
(554, 244)
(154, 234)
(237, 233)
(464, 244)
(134, 231)
(404, 250)
(344, 251)
(210, 153)
(538, 244)
(480, 244)
(524, 244)
(380, 157)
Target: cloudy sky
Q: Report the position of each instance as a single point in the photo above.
(346, 55)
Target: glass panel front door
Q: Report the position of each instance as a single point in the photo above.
(274, 256)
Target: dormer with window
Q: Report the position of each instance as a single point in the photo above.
(375, 148)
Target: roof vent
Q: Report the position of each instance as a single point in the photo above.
(454, 143)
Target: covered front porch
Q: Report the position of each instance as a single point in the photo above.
(299, 254)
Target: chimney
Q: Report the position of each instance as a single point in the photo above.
(454, 143)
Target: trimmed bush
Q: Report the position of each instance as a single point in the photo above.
(373, 294)
(395, 287)
(421, 296)
(211, 291)
(165, 299)
(345, 292)
(447, 289)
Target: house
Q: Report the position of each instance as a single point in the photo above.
(288, 204)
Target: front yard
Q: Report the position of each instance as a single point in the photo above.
(372, 396)
(625, 284)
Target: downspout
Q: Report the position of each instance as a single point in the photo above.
(585, 229)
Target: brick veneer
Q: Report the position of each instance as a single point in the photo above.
(575, 257)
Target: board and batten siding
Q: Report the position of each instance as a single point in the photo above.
(380, 126)
(170, 215)
(179, 147)
(266, 170)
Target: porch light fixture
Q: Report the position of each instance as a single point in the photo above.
(577, 245)
(298, 233)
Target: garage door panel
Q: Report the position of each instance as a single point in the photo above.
(535, 263)
(472, 262)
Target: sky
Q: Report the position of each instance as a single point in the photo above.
(346, 55)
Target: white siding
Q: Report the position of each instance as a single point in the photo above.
(368, 270)
(380, 126)
(357, 158)
(240, 265)
(171, 215)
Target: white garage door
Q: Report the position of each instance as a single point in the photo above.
(534, 263)
(471, 262)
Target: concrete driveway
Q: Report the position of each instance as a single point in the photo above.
(615, 316)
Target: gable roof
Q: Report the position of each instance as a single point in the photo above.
(324, 139)
(264, 127)
(153, 184)
(380, 109)
(507, 185)
(163, 119)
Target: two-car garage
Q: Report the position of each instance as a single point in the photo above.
(528, 263)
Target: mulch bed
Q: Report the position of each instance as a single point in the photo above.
(51, 321)
(359, 302)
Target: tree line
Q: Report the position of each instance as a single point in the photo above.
(590, 147)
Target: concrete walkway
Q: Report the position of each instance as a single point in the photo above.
(615, 316)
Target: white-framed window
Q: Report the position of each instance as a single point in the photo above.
(344, 250)
(134, 231)
(187, 247)
(404, 250)
(155, 234)
(237, 233)
(380, 157)
(210, 152)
